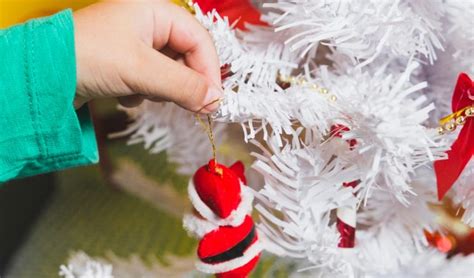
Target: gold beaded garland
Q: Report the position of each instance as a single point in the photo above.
(303, 82)
(447, 124)
(469, 112)
(450, 126)
(458, 118)
(440, 130)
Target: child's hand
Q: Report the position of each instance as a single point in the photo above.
(137, 50)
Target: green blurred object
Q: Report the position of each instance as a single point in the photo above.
(84, 214)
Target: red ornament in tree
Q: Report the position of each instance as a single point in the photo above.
(448, 171)
(240, 11)
(346, 217)
(229, 245)
(337, 130)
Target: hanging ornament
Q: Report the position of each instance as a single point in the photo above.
(237, 11)
(448, 171)
(229, 245)
(346, 222)
(346, 216)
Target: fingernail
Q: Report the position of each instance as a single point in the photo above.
(212, 99)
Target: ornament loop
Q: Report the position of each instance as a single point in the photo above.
(208, 127)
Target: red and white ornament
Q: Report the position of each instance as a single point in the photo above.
(239, 12)
(346, 216)
(229, 245)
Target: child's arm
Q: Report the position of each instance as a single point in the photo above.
(40, 129)
(45, 75)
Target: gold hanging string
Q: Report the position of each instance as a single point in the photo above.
(208, 127)
(210, 134)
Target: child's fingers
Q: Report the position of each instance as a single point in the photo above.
(188, 37)
(159, 77)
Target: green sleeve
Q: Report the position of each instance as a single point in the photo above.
(40, 131)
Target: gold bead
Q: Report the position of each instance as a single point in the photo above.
(469, 112)
(303, 82)
(333, 98)
(440, 130)
(450, 126)
(460, 120)
(292, 80)
(323, 91)
(314, 86)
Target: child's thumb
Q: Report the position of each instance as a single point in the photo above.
(159, 77)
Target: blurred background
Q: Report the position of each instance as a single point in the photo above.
(128, 209)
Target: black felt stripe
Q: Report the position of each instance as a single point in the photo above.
(234, 252)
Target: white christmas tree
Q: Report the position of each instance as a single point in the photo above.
(388, 77)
